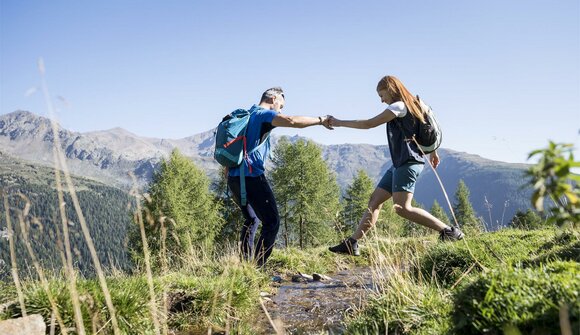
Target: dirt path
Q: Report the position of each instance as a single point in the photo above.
(316, 307)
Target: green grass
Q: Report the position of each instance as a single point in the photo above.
(473, 287)
(320, 260)
(505, 248)
(404, 306)
(528, 299)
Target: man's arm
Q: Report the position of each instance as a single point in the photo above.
(282, 120)
(378, 120)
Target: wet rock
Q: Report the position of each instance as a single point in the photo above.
(320, 277)
(276, 279)
(29, 325)
(301, 278)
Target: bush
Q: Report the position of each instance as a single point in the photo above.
(528, 299)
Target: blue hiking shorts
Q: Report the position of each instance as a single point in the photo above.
(401, 179)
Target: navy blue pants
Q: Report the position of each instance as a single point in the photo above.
(259, 195)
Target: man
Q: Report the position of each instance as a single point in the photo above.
(265, 117)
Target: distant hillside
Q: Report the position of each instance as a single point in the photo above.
(109, 155)
(105, 208)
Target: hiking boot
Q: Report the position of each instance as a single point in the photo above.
(349, 246)
(450, 234)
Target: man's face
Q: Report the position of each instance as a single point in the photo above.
(278, 102)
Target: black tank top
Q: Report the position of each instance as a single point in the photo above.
(403, 150)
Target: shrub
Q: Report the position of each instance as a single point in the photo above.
(528, 299)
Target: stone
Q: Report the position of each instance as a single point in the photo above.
(28, 325)
(320, 277)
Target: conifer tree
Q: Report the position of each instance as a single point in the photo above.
(180, 200)
(463, 208)
(527, 220)
(230, 213)
(306, 192)
(356, 200)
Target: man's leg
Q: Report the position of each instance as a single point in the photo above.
(246, 236)
(263, 202)
(249, 231)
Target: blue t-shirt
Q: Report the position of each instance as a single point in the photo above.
(259, 125)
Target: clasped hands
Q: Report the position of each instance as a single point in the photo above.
(329, 122)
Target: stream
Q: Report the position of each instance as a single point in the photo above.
(316, 307)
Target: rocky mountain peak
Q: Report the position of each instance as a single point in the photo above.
(24, 125)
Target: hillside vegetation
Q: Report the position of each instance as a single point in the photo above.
(33, 188)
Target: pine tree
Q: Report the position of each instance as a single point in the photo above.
(230, 213)
(356, 200)
(438, 212)
(306, 192)
(179, 199)
(463, 208)
(527, 220)
(283, 185)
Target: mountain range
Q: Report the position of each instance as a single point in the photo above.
(498, 189)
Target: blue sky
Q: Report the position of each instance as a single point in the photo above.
(502, 76)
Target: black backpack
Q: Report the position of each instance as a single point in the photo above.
(429, 135)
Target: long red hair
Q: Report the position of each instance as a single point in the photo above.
(399, 92)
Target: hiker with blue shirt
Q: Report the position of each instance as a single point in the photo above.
(403, 116)
(263, 118)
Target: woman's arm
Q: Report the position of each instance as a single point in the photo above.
(378, 120)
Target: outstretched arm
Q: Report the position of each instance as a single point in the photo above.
(378, 120)
(282, 120)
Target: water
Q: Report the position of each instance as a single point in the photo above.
(317, 307)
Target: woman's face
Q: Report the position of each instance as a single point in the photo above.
(385, 96)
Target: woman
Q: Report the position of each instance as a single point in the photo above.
(402, 116)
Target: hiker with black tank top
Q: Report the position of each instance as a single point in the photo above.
(264, 117)
(402, 117)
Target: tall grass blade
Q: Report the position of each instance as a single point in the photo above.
(79, 212)
(14, 266)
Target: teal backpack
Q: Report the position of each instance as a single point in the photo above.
(230, 144)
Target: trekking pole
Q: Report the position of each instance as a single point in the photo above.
(440, 184)
(450, 207)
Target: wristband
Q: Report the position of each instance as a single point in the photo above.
(320, 120)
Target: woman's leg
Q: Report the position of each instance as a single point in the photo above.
(371, 215)
(403, 207)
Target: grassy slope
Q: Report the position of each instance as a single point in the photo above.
(416, 293)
